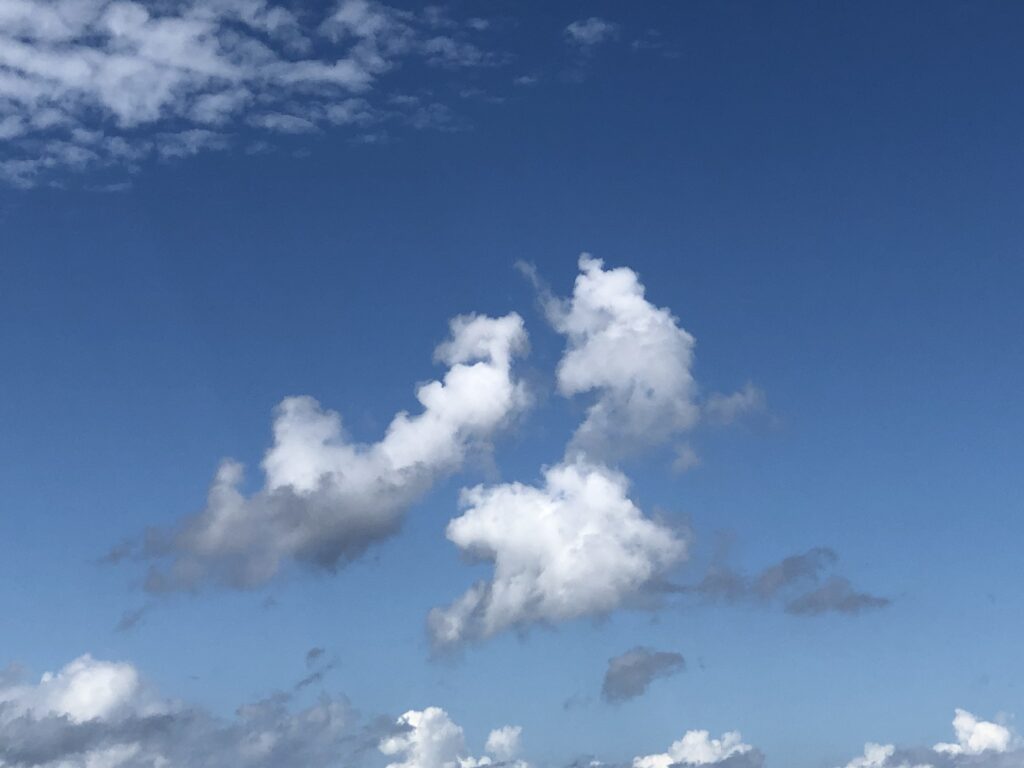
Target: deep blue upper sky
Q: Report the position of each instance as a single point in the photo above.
(827, 196)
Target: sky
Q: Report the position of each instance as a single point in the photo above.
(528, 384)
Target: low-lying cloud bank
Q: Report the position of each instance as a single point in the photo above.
(979, 744)
(93, 713)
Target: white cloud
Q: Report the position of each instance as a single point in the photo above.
(696, 748)
(576, 546)
(633, 355)
(100, 714)
(123, 68)
(587, 32)
(325, 498)
(84, 689)
(503, 742)
(974, 736)
(979, 744)
(429, 739)
(725, 409)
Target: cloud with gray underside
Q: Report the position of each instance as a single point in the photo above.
(629, 674)
(804, 584)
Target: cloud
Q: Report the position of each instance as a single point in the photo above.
(785, 579)
(592, 31)
(429, 739)
(503, 742)
(88, 84)
(975, 736)
(629, 674)
(979, 744)
(725, 409)
(574, 546)
(836, 595)
(632, 355)
(325, 499)
(100, 714)
(698, 748)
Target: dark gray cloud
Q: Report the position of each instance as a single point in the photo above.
(836, 595)
(629, 674)
(803, 581)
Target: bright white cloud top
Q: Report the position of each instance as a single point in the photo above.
(576, 546)
(633, 356)
(429, 739)
(697, 748)
(325, 499)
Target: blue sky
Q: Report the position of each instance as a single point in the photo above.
(203, 213)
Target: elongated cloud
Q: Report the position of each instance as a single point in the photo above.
(801, 580)
(699, 748)
(325, 499)
(633, 356)
(630, 673)
(576, 546)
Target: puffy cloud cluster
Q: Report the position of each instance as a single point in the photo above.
(87, 83)
(633, 356)
(630, 673)
(699, 748)
(979, 744)
(429, 739)
(99, 714)
(576, 546)
(325, 499)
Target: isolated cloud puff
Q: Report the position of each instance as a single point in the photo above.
(429, 739)
(979, 744)
(633, 356)
(92, 83)
(699, 748)
(574, 546)
(591, 31)
(325, 499)
(629, 673)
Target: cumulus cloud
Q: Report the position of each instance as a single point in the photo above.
(629, 674)
(974, 736)
(574, 546)
(429, 739)
(503, 742)
(802, 581)
(979, 744)
(633, 356)
(699, 748)
(591, 31)
(325, 499)
(99, 83)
